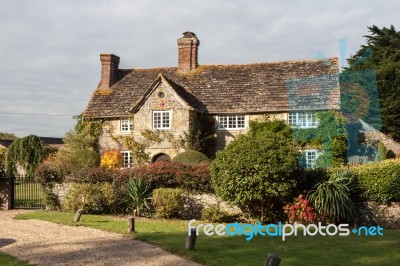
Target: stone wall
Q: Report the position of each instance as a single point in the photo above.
(390, 144)
(224, 137)
(387, 216)
(195, 203)
(143, 120)
(5, 194)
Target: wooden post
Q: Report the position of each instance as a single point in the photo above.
(78, 215)
(191, 239)
(131, 224)
(272, 260)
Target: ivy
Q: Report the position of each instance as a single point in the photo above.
(330, 136)
(27, 152)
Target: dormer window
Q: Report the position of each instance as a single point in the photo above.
(126, 125)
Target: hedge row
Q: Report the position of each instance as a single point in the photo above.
(375, 181)
(379, 181)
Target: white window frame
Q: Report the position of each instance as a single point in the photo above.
(232, 122)
(125, 125)
(303, 119)
(162, 125)
(310, 163)
(126, 159)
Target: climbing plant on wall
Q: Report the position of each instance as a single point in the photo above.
(25, 154)
(330, 137)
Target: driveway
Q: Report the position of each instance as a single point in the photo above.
(45, 243)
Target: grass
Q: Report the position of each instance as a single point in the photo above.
(224, 250)
(8, 260)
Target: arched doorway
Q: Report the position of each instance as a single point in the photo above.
(161, 157)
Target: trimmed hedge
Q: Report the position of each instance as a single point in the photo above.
(379, 181)
(173, 175)
(191, 157)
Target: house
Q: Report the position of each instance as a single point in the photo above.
(167, 98)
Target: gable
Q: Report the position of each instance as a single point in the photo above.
(161, 94)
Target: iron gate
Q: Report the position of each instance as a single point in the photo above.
(27, 194)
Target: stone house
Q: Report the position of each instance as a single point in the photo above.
(166, 99)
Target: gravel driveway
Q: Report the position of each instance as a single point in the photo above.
(45, 243)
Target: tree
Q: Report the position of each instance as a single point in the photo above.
(7, 136)
(25, 154)
(375, 66)
(256, 171)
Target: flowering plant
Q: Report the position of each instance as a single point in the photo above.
(111, 159)
(300, 211)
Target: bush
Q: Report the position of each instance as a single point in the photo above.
(214, 214)
(190, 157)
(111, 159)
(173, 175)
(332, 198)
(382, 152)
(85, 158)
(255, 172)
(168, 202)
(93, 175)
(379, 181)
(300, 211)
(92, 198)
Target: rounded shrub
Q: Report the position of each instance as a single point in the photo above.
(190, 157)
(256, 172)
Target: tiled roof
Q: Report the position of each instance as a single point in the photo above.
(252, 88)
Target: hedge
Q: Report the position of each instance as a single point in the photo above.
(379, 181)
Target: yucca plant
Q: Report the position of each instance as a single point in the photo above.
(139, 194)
(332, 198)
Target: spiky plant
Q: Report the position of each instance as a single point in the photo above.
(331, 198)
(139, 194)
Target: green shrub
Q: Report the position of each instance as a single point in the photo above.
(382, 152)
(85, 158)
(255, 172)
(168, 202)
(332, 198)
(92, 198)
(379, 181)
(190, 157)
(214, 214)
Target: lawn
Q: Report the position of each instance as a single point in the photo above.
(8, 260)
(224, 250)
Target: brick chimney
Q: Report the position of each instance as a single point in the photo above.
(109, 67)
(187, 52)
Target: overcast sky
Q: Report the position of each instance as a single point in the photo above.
(49, 50)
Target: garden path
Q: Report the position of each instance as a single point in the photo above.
(45, 243)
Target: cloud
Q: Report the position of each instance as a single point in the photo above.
(50, 49)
